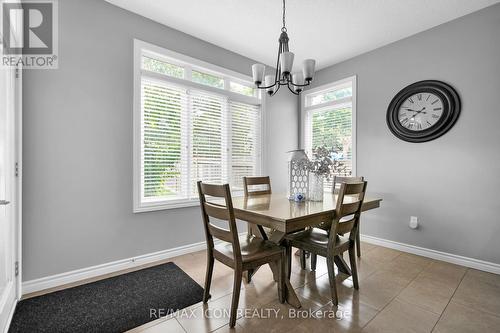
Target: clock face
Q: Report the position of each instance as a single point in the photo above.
(423, 111)
(420, 111)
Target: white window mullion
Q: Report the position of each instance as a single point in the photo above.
(187, 151)
(227, 142)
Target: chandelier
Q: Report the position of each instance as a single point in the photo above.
(284, 76)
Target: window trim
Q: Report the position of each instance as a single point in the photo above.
(353, 100)
(141, 48)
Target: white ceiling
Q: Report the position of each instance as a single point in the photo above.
(329, 31)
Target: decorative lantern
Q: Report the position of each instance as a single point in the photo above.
(298, 176)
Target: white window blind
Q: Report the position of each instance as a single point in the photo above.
(245, 142)
(190, 133)
(329, 121)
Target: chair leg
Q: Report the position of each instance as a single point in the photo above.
(208, 277)
(288, 258)
(314, 259)
(236, 296)
(281, 280)
(249, 275)
(354, 269)
(302, 259)
(358, 243)
(333, 284)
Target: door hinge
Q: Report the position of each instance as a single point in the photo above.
(17, 73)
(16, 268)
(17, 169)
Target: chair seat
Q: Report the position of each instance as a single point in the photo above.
(253, 250)
(316, 240)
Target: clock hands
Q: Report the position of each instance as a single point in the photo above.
(417, 112)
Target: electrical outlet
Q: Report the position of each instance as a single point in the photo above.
(413, 222)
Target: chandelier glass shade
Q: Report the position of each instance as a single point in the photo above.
(295, 81)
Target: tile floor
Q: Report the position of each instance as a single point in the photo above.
(399, 292)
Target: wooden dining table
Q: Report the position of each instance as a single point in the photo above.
(282, 216)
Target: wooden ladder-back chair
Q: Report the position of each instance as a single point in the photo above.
(330, 244)
(239, 254)
(256, 181)
(337, 182)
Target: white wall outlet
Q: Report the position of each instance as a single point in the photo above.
(413, 222)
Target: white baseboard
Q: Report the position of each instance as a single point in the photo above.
(11, 315)
(438, 255)
(57, 280)
(111, 267)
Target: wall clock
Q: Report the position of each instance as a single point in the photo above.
(423, 111)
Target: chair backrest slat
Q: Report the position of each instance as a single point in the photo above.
(220, 233)
(253, 181)
(345, 227)
(338, 180)
(349, 202)
(349, 209)
(218, 212)
(224, 212)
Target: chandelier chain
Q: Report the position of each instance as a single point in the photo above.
(284, 8)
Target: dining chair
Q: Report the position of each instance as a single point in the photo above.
(256, 181)
(330, 244)
(337, 181)
(239, 254)
(249, 184)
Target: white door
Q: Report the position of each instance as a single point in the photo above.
(8, 194)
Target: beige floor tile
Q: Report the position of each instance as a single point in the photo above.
(381, 287)
(380, 255)
(206, 317)
(276, 317)
(490, 278)
(319, 289)
(400, 317)
(226, 329)
(443, 271)
(366, 247)
(170, 326)
(458, 318)
(367, 267)
(430, 294)
(351, 314)
(480, 291)
(324, 325)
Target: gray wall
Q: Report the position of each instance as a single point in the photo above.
(78, 144)
(281, 136)
(451, 183)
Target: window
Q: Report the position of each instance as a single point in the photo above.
(190, 124)
(329, 120)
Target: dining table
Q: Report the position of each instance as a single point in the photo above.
(273, 216)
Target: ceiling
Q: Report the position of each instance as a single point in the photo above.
(329, 31)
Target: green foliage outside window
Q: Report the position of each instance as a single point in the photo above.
(162, 67)
(207, 79)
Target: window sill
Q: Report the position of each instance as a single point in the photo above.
(152, 207)
(156, 206)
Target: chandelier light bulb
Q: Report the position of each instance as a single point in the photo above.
(269, 81)
(286, 62)
(258, 73)
(308, 69)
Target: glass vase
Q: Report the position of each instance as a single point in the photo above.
(316, 187)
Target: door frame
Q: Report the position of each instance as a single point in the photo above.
(17, 190)
(18, 187)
